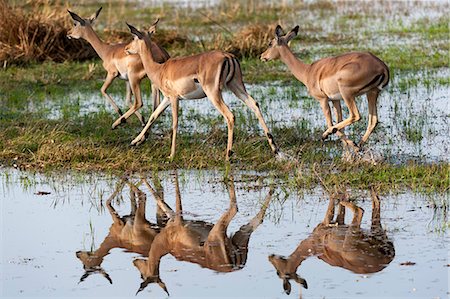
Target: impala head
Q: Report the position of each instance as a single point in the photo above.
(91, 265)
(140, 38)
(281, 39)
(148, 278)
(281, 265)
(80, 25)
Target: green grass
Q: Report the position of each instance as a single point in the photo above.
(416, 50)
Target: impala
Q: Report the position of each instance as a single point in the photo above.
(341, 245)
(203, 243)
(194, 77)
(131, 232)
(333, 79)
(118, 64)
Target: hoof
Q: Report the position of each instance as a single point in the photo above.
(324, 137)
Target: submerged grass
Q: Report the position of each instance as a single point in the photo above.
(88, 144)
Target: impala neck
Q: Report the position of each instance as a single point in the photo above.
(151, 67)
(298, 68)
(106, 246)
(305, 249)
(99, 46)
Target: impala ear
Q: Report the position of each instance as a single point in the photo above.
(77, 18)
(279, 31)
(95, 15)
(135, 32)
(278, 34)
(286, 286)
(293, 33)
(301, 281)
(152, 28)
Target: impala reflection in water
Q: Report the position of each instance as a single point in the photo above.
(132, 232)
(203, 243)
(341, 245)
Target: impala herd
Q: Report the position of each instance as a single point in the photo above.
(207, 75)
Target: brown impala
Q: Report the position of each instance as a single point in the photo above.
(118, 64)
(342, 77)
(203, 243)
(194, 77)
(341, 245)
(131, 232)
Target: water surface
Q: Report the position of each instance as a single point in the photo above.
(42, 233)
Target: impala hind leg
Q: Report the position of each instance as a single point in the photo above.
(141, 137)
(216, 99)
(129, 104)
(239, 90)
(372, 97)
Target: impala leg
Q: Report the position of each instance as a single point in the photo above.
(137, 104)
(372, 97)
(156, 97)
(241, 93)
(129, 104)
(109, 79)
(354, 116)
(217, 100)
(141, 137)
(218, 234)
(341, 135)
(174, 103)
(376, 222)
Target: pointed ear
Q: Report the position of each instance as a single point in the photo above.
(135, 32)
(152, 28)
(77, 18)
(287, 286)
(279, 31)
(163, 286)
(95, 15)
(293, 33)
(301, 281)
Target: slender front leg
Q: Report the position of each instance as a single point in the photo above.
(174, 103)
(156, 97)
(136, 105)
(354, 116)
(141, 137)
(340, 134)
(109, 79)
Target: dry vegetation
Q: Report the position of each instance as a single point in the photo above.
(37, 34)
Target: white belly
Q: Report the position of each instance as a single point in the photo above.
(194, 94)
(123, 76)
(336, 96)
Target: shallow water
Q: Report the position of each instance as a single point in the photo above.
(413, 120)
(42, 233)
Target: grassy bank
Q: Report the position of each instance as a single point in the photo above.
(415, 46)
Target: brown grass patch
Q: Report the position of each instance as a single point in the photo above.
(38, 33)
(251, 41)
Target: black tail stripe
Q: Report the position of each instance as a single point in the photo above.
(378, 78)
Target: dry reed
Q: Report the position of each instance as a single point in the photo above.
(38, 34)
